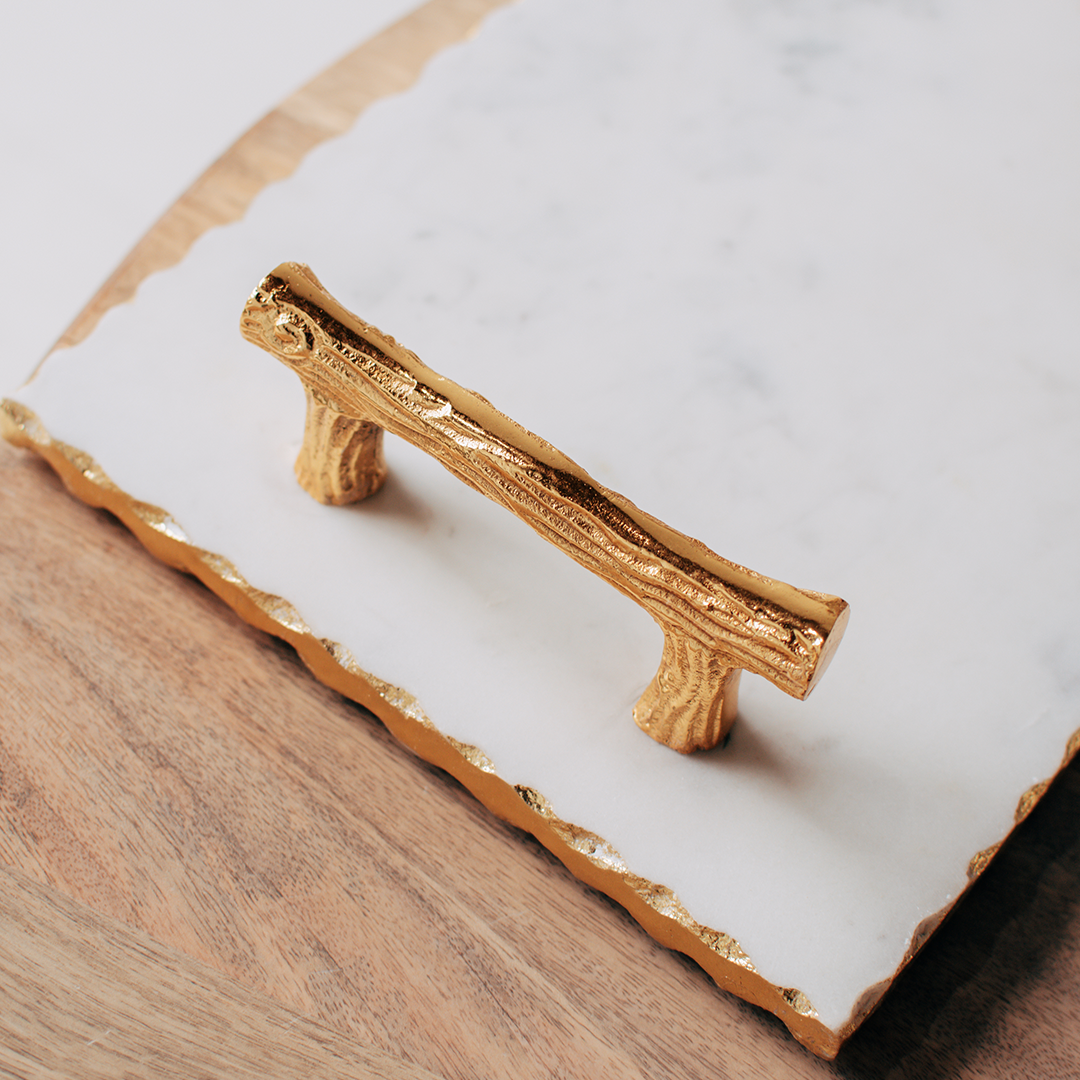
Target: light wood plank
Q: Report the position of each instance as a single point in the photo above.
(85, 996)
(168, 767)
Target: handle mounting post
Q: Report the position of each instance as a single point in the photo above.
(718, 618)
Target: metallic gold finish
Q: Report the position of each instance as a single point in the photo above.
(1029, 799)
(341, 460)
(981, 860)
(718, 618)
(1072, 748)
(590, 858)
(799, 1002)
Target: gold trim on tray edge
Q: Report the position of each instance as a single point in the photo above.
(588, 857)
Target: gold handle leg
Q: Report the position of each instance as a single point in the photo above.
(718, 618)
(693, 698)
(341, 460)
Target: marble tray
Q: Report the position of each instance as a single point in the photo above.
(800, 283)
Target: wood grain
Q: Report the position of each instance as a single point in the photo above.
(167, 769)
(113, 1002)
(168, 766)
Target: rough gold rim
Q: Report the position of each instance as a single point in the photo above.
(589, 857)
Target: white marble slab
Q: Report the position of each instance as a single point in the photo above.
(798, 279)
(113, 110)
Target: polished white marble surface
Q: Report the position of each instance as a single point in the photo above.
(112, 110)
(799, 280)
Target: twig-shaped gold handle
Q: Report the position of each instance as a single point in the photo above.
(718, 618)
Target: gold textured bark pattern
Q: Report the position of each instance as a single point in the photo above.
(341, 459)
(718, 618)
(589, 857)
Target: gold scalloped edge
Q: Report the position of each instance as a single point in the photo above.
(978, 863)
(589, 857)
(981, 859)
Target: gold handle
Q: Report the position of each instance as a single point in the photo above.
(718, 618)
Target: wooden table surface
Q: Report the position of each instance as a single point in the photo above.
(211, 865)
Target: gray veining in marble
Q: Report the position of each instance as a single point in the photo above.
(800, 280)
